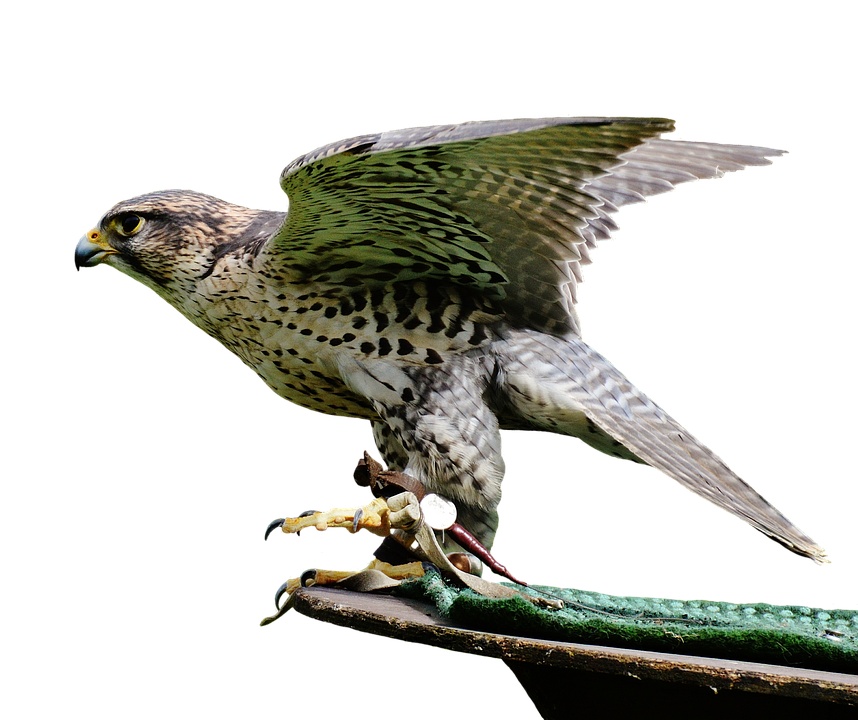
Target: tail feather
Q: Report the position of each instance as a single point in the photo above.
(563, 385)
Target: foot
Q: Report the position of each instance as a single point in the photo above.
(381, 517)
(374, 517)
(376, 576)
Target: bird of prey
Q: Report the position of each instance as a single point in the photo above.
(426, 280)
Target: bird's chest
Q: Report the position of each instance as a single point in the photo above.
(292, 349)
(291, 336)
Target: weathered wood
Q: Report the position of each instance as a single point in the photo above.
(538, 662)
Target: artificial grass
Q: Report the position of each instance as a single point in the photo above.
(810, 638)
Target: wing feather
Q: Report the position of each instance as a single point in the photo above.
(569, 377)
(508, 208)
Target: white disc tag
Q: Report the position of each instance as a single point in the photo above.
(438, 512)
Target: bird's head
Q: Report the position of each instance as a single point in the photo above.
(170, 240)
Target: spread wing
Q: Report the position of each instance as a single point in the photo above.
(509, 208)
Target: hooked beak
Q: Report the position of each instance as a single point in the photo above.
(91, 250)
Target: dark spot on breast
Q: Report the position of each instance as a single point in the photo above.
(330, 312)
(433, 358)
(478, 336)
(322, 338)
(306, 331)
(358, 322)
(381, 321)
(316, 306)
(384, 347)
(436, 326)
(403, 313)
(348, 337)
(405, 347)
(367, 347)
(407, 395)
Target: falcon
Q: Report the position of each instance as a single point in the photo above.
(425, 280)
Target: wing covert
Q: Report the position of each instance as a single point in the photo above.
(510, 208)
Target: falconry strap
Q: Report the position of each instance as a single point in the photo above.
(385, 483)
(371, 474)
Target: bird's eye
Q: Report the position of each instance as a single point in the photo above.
(129, 224)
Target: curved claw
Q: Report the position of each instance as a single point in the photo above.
(308, 578)
(278, 523)
(290, 603)
(279, 594)
(356, 521)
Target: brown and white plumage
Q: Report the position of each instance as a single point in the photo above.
(426, 280)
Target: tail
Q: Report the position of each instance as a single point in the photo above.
(563, 386)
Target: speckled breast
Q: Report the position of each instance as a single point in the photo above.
(289, 335)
